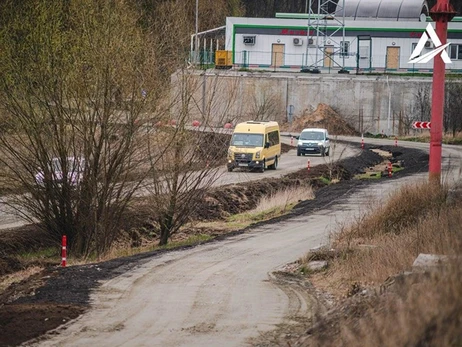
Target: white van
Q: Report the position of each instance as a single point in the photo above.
(313, 141)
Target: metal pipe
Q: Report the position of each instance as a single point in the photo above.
(317, 35)
(343, 35)
(197, 30)
(308, 35)
(441, 13)
(389, 108)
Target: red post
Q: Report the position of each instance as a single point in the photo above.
(291, 140)
(390, 170)
(63, 251)
(441, 13)
(308, 165)
(396, 141)
(362, 142)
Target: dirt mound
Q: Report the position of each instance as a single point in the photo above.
(323, 117)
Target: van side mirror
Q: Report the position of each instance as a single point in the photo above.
(267, 145)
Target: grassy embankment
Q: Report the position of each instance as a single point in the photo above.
(385, 308)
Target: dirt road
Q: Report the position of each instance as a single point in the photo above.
(221, 293)
(218, 294)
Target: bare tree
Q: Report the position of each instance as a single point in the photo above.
(266, 105)
(453, 107)
(186, 161)
(77, 83)
(422, 105)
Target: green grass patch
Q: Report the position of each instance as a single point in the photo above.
(448, 140)
(45, 253)
(369, 176)
(324, 180)
(248, 218)
(192, 240)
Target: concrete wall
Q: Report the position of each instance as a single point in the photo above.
(236, 96)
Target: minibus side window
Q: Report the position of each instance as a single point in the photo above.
(273, 138)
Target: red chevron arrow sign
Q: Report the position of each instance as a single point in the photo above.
(421, 125)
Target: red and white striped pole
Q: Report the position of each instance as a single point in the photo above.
(291, 140)
(390, 170)
(362, 142)
(63, 251)
(308, 165)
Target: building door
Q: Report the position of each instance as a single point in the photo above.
(277, 56)
(364, 52)
(392, 58)
(328, 52)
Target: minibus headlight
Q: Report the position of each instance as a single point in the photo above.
(230, 154)
(257, 155)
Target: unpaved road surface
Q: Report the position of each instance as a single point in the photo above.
(221, 293)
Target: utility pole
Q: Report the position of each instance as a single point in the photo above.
(441, 13)
(196, 48)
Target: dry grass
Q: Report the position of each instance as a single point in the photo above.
(284, 198)
(404, 209)
(383, 244)
(425, 137)
(427, 313)
(274, 205)
(18, 276)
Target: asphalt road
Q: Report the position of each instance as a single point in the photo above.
(289, 162)
(219, 294)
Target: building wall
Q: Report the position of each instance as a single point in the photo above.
(384, 33)
(239, 96)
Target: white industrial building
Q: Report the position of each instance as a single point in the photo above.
(360, 36)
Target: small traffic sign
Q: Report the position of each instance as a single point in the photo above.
(421, 125)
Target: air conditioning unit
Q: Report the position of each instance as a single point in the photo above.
(429, 44)
(298, 42)
(310, 41)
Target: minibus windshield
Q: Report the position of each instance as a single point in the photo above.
(247, 140)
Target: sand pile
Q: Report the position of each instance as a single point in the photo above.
(323, 117)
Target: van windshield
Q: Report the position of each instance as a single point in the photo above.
(247, 140)
(312, 135)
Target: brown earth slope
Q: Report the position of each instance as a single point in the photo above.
(323, 117)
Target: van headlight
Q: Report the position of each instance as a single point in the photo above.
(320, 144)
(300, 143)
(257, 155)
(230, 154)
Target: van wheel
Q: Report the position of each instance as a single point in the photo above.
(262, 169)
(298, 154)
(230, 169)
(274, 166)
(323, 152)
(328, 152)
